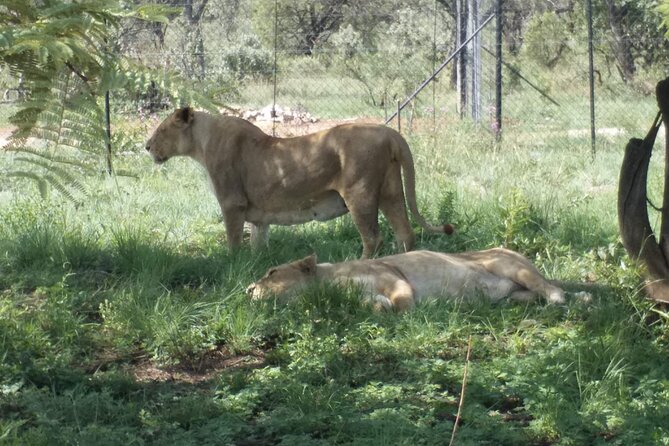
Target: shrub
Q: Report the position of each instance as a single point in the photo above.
(247, 60)
(546, 39)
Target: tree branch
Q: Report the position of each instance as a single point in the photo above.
(462, 392)
(81, 76)
(198, 15)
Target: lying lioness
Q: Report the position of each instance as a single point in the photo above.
(399, 281)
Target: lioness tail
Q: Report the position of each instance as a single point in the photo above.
(406, 161)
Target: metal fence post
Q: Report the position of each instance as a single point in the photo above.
(399, 120)
(591, 73)
(274, 70)
(476, 62)
(434, 66)
(498, 70)
(441, 67)
(108, 129)
(461, 65)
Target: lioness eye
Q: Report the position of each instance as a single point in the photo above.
(270, 272)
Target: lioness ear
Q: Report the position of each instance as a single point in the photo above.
(308, 264)
(184, 115)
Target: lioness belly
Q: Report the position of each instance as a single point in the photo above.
(322, 208)
(464, 283)
(438, 274)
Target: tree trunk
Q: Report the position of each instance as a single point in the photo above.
(196, 41)
(635, 230)
(662, 94)
(620, 44)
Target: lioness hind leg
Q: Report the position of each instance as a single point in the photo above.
(379, 302)
(394, 209)
(366, 218)
(510, 264)
(259, 235)
(369, 232)
(529, 277)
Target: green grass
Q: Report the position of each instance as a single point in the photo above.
(124, 321)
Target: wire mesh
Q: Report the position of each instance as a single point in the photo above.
(340, 60)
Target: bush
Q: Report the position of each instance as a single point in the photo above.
(546, 39)
(247, 60)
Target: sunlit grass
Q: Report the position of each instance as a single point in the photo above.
(140, 274)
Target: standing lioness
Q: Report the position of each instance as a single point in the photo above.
(398, 281)
(266, 180)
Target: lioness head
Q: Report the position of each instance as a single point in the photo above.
(284, 279)
(171, 137)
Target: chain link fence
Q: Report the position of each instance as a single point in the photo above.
(563, 65)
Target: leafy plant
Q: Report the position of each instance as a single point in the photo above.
(67, 123)
(546, 39)
(376, 65)
(247, 59)
(520, 225)
(59, 49)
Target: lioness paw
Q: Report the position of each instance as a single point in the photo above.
(379, 302)
(556, 297)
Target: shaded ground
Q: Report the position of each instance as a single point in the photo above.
(145, 370)
(4, 135)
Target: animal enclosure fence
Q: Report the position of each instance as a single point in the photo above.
(556, 74)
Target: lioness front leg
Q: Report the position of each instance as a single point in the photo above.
(259, 235)
(233, 205)
(234, 213)
(234, 225)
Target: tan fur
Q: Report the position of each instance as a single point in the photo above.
(400, 280)
(265, 180)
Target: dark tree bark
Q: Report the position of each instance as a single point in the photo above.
(194, 15)
(620, 43)
(319, 24)
(635, 229)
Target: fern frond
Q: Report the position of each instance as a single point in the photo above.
(62, 173)
(65, 189)
(125, 173)
(53, 157)
(134, 77)
(42, 185)
(59, 48)
(60, 137)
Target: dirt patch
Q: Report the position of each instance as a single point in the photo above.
(5, 132)
(146, 371)
(286, 122)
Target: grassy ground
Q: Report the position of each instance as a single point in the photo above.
(124, 321)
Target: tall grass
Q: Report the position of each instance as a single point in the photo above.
(141, 275)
